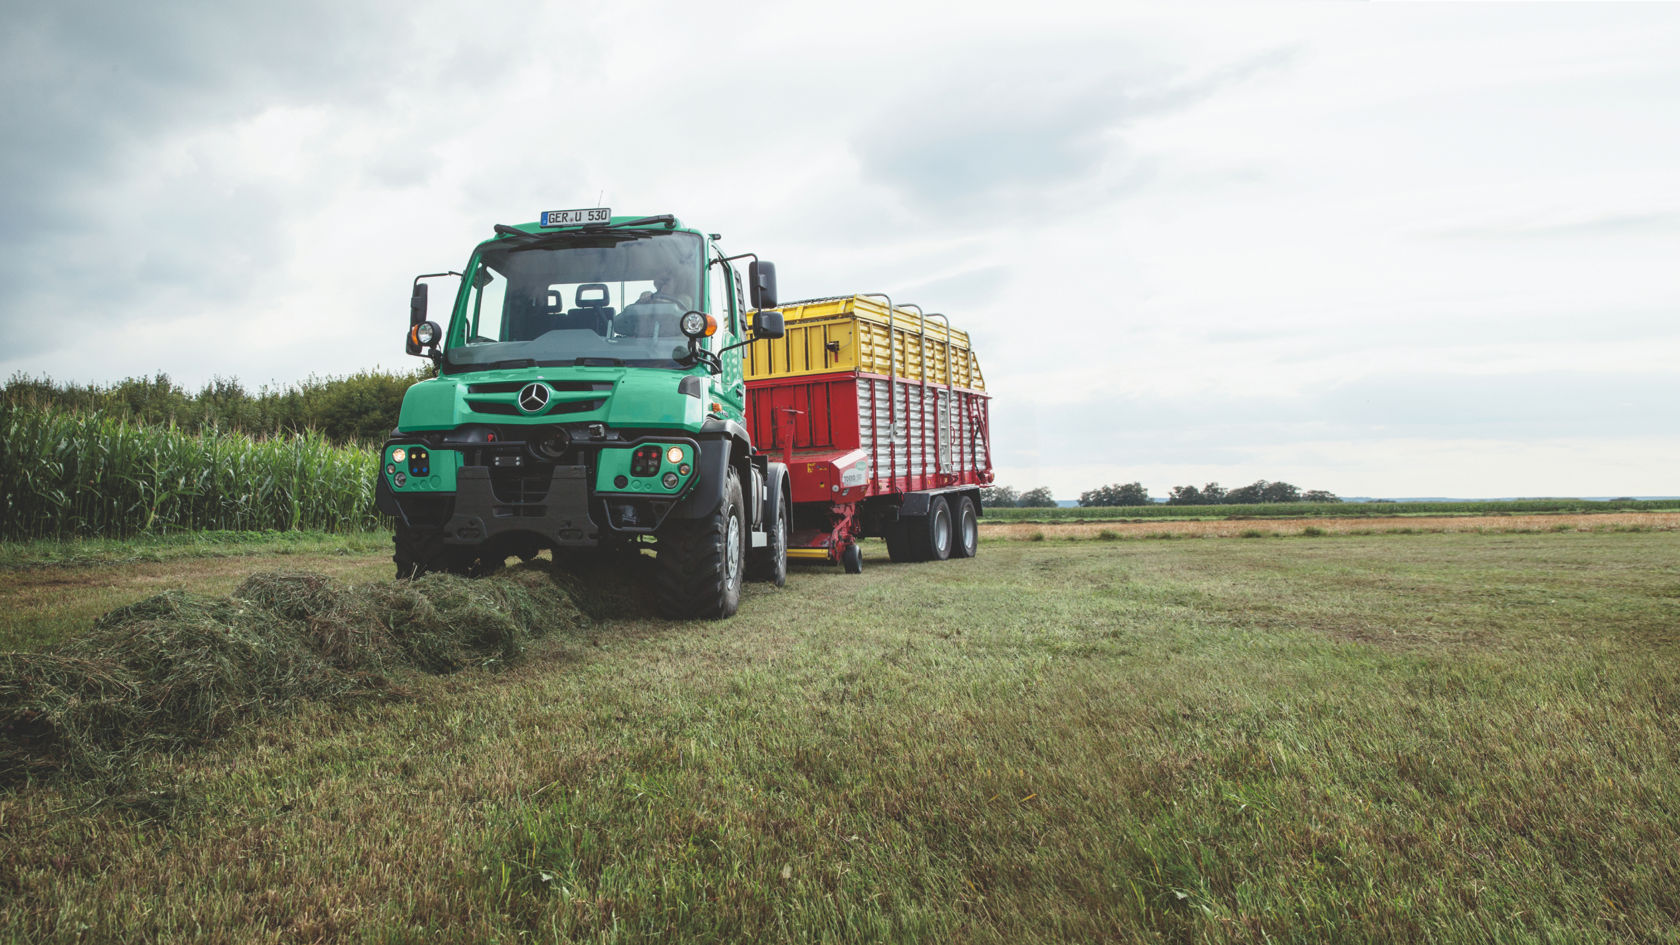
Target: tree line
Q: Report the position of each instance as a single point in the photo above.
(359, 408)
(1134, 493)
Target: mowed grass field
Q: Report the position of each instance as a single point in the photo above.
(1449, 736)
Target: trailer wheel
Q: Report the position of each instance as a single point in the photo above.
(967, 535)
(931, 536)
(852, 559)
(701, 561)
(770, 563)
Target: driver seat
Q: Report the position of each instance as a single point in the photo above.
(592, 310)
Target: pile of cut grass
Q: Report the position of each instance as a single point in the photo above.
(178, 669)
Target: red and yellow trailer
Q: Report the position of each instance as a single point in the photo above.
(881, 414)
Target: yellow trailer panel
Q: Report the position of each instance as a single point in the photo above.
(859, 334)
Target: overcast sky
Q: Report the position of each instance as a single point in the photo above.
(1390, 250)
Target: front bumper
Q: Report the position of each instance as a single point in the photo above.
(574, 503)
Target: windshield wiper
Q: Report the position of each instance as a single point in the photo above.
(600, 362)
(491, 365)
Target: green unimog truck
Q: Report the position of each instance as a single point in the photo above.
(589, 400)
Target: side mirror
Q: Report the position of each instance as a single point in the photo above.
(417, 305)
(423, 339)
(768, 325)
(762, 276)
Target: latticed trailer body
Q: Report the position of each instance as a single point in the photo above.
(880, 413)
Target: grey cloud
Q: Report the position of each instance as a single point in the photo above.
(1017, 121)
(964, 289)
(91, 92)
(1216, 429)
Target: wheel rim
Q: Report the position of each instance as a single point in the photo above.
(732, 553)
(971, 532)
(942, 531)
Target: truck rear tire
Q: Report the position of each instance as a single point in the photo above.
(701, 562)
(965, 541)
(770, 562)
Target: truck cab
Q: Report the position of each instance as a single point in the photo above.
(590, 395)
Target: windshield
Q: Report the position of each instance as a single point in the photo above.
(584, 298)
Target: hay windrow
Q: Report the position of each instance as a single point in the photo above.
(177, 669)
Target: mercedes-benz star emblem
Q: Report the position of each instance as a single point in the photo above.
(533, 397)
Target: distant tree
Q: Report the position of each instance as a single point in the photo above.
(1039, 498)
(363, 406)
(1251, 494)
(1260, 491)
(999, 497)
(1184, 495)
(1131, 493)
(1213, 494)
(1319, 495)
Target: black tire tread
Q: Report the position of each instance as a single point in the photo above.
(691, 560)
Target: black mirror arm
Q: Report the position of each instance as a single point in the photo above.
(713, 363)
(740, 344)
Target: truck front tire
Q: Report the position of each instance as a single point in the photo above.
(701, 561)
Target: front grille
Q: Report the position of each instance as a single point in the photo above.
(513, 387)
(509, 410)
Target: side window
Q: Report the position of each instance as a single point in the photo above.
(484, 306)
(718, 271)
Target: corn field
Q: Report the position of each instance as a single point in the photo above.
(74, 475)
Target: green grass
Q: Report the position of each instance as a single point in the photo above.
(1322, 510)
(96, 552)
(1447, 737)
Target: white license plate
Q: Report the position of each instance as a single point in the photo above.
(576, 217)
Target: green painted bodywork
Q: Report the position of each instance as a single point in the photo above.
(644, 398)
(616, 462)
(640, 398)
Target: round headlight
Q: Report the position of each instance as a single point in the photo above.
(694, 324)
(673, 455)
(426, 333)
(399, 454)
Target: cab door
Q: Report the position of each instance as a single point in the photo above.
(723, 302)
